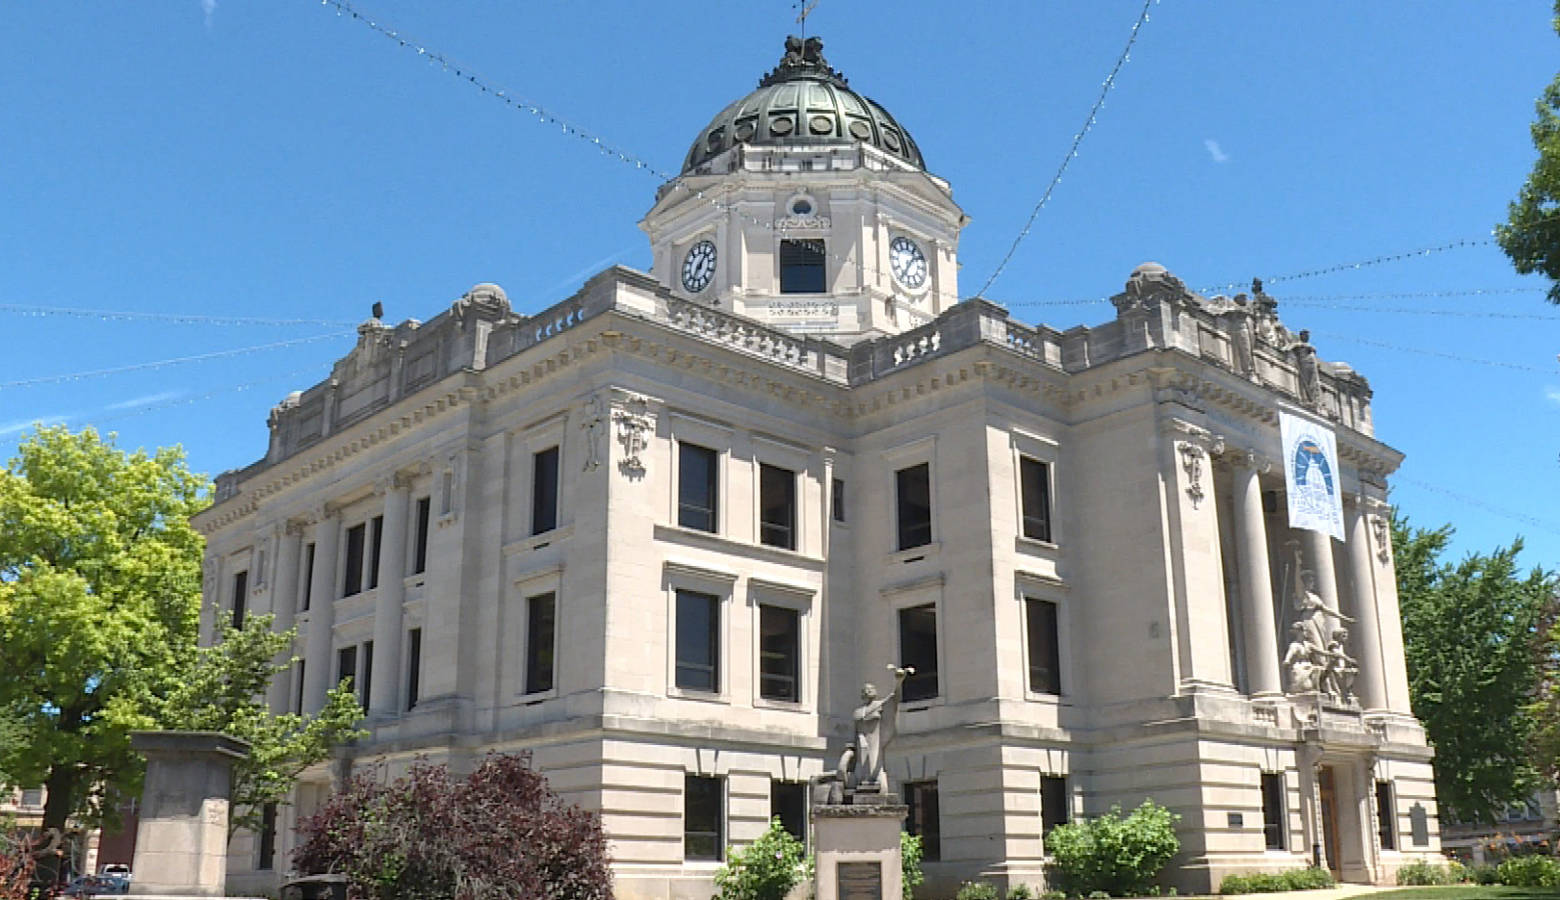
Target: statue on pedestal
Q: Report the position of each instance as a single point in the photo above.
(860, 768)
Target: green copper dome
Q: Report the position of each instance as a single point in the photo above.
(803, 101)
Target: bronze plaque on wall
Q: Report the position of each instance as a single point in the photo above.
(861, 881)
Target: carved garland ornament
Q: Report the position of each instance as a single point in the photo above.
(1192, 461)
(1378, 527)
(634, 423)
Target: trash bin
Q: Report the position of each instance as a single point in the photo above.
(316, 887)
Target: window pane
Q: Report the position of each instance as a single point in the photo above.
(544, 491)
(837, 499)
(802, 269)
(1273, 810)
(367, 681)
(913, 492)
(696, 487)
(298, 699)
(346, 666)
(923, 818)
(1054, 802)
(1036, 489)
(777, 506)
(1045, 673)
(539, 630)
(1386, 820)
(702, 819)
(698, 645)
(376, 545)
(420, 554)
(788, 803)
(918, 650)
(267, 858)
(413, 665)
(240, 598)
(777, 653)
(308, 576)
(354, 565)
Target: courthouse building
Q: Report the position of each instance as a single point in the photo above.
(659, 534)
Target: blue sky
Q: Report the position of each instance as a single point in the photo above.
(238, 158)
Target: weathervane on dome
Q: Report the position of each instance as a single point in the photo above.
(807, 6)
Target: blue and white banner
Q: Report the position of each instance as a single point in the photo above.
(1311, 475)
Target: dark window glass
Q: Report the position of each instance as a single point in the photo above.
(1054, 802)
(1386, 818)
(267, 858)
(778, 640)
(698, 641)
(913, 495)
(1273, 809)
(308, 575)
(413, 665)
(1045, 671)
(802, 269)
(32, 797)
(366, 683)
(703, 835)
(923, 819)
(240, 598)
(1035, 478)
(776, 506)
(696, 487)
(837, 500)
(420, 552)
(544, 491)
(298, 706)
(788, 803)
(918, 650)
(346, 666)
(540, 617)
(353, 582)
(376, 545)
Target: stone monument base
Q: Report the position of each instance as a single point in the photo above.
(857, 848)
(181, 841)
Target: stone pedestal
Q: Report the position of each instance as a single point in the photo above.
(181, 841)
(857, 848)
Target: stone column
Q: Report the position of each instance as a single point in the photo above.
(182, 836)
(1256, 585)
(318, 665)
(1370, 684)
(1318, 547)
(284, 603)
(383, 701)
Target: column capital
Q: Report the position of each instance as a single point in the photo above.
(397, 480)
(1246, 458)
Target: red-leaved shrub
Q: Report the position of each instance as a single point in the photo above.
(499, 833)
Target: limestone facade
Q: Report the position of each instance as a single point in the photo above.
(659, 536)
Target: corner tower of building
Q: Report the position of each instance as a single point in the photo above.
(808, 207)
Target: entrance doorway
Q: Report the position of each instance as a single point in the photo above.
(1327, 783)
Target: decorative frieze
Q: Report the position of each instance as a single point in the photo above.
(635, 423)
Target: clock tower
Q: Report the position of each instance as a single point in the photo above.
(806, 206)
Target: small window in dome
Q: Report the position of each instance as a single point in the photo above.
(802, 267)
(801, 206)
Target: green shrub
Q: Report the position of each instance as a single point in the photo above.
(1112, 854)
(1054, 895)
(1457, 873)
(1272, 882)
(1483, 874)
(910, 863)
(1420, 872)
(1099, 895)
(1529, 871)
(766, 869)
(977, 890)
(1021, 892)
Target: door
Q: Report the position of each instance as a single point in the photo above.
(1328, 790)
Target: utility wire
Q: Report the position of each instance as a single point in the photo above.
(1520, 367)
(162, 363)
(1360, 264)
(1072, 152)
(31, 310)
(1542, 524)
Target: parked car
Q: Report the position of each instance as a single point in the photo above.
(96, 886)
(120, 869)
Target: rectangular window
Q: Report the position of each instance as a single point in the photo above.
(923, 819)
(697, 486)
(703, 834)
(788, 803)
(544, 491)
(1045, 670)
(698, 641)
(541, 614)
(837, 500)
(376, 545)
(240, 598)
(918, 650)
(366, 683)
(913, 498)
(413, 665)
(1273, 809)
(267, 860)
(1386, 818)
(308, 576)
(32, 797)
(779, 648)
(420, 552)
(353, 582)
(346, 667)
(776, 506)
(802, 267)
(298, 690)
(1035, 486)
(1054, 802)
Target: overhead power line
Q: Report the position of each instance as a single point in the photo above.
(1498, 363)
(107, 315)
(163, 363)
(1480, 503)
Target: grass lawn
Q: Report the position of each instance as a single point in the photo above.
(1468, 892)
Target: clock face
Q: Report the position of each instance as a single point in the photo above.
(698, 267)
(908, 262)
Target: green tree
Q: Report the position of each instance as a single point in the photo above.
(1531, 233)
(1469, 633)
(224, 691)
